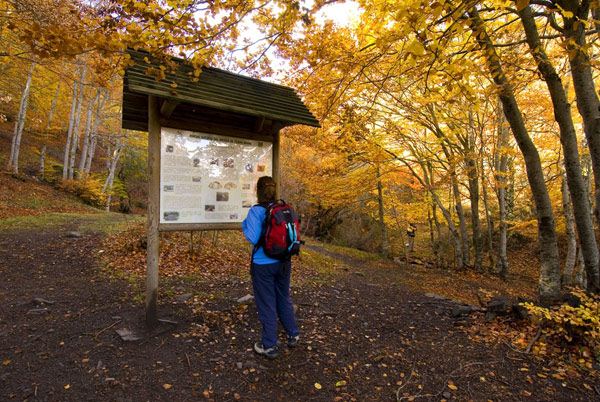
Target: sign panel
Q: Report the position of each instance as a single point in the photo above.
(207, 178)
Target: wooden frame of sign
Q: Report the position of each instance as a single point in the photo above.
(219, 103)
(154, 227)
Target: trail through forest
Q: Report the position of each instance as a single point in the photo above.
(60, 312)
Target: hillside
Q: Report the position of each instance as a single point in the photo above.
(24, 194)
(20, 197)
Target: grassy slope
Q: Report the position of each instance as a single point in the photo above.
(24, 196)
(26, 202)
(28, 197)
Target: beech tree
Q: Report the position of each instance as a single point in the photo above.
(13, 161)
(86, 140)
(72, 131)
(501, 177)
(407, 100)
(374, 64)
(562, 112)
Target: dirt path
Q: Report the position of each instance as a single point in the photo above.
(373, 338)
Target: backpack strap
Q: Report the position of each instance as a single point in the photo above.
(261, 239)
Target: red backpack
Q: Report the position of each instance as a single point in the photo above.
(281, 239)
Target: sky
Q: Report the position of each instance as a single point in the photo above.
(342, 14)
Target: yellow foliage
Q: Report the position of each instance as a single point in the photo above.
(89, 190)
(580, 324)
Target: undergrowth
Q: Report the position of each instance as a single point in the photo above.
(574, 326)
(88, 189)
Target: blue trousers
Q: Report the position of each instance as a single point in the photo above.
(271, 283)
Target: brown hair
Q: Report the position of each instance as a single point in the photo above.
(265, 189)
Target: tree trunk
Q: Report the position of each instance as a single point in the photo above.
(587, 100)
(90, 155)
(473, 180)
(13, 162)
(571, 257)
(85, 143)
(568, 139)
(448, 153)
(71, 124)
(94, 135)
(501, 183)
(385, 244)
(108, 150)
(114, 160)
(400, 227)
(462, 222)
(475, 223)
(550, 268)
(42, 167)
(488, 215)
(580, 276)
(426, 183)
(431, 234)
(75, 138)
(438, 232)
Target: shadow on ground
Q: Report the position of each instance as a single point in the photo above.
(364, 338)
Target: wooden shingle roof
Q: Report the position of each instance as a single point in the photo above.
(215, 89)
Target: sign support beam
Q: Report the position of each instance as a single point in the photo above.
(153, 218)
(276, 127)
(259, 124)
(168, 107)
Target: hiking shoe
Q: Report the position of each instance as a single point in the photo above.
(271, 353)
(292, 341)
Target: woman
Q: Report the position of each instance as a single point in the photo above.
(270, 277)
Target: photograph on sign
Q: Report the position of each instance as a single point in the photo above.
(207, 178)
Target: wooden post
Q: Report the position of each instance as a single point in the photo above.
(276, 128)
(153, 219)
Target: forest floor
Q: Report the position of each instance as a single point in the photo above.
(368, 332)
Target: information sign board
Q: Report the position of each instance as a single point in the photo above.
(207, 178)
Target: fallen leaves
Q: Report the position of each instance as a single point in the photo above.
(167, 386)
(333, 334)
(21, 198)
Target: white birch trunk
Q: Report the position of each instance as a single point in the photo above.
(114, 160)
(86, 136)
(90, 155)
(108, 151)
(76, 124)
(71, 125)
(13, 162)
(94, 134)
